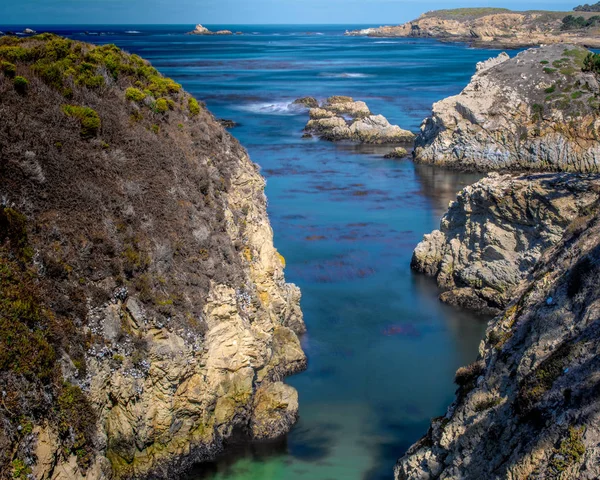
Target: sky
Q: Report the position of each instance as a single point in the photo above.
(232, 12)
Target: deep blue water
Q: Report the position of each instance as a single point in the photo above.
(382, 350)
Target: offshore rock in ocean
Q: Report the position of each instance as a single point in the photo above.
(343, 118)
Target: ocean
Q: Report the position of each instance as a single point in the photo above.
(382, 349)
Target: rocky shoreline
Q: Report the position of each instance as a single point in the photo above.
(536, 111)
(491, 28)
(523, 247)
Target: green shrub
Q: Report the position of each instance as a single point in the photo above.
(193, 106)
(76, 421)
(51, 73)
(550, 89)
(544, 62)
(576, 95)
(89, 119)
(9, 69)
(161, 86)
(20, 471)
(591, 63)
(21, 85)
(549, 70)
(15, 54)
(161, 105)
(134, 94)
(570, 451)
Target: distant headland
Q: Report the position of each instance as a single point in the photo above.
(499, 27)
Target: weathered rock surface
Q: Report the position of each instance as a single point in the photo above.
(491, 27)
(493, 234)
(528, 408)
(342, 118)
(537, 111)
(146, 248)
(397, 152)
(201, 30)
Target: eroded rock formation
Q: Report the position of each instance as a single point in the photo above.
(537, 111)
(528, 407)
(138, 266)
(342, 118)
(493, 234)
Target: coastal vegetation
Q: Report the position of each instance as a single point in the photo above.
(586, 7)
(126, 217)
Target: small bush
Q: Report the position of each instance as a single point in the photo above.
(576, 95)
(161, 105)
(8, 69)
(544, 62)
(549, 70)
(89, 119)
(193, 106)
(21, 85)
(550, 89)
(570, 451)
(467, 375)
(134, 94)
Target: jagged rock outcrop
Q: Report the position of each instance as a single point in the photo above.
(528, 407)
(491, 27)
(201, 30)
(537, 111)
(493, 234)
(138, 272)
(342, 118)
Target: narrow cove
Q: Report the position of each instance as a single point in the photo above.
(382, 350)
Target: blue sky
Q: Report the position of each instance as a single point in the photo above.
(241, 11)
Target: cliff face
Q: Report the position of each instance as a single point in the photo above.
(537, 111)
(485, 27)
(137, 261)
(528, 407)
(493, 234)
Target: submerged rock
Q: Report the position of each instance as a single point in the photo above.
(496, 230)
(309, 102)
(398, 152)
(528, 407)
(343, 118)
(227, 123)
(537, 111)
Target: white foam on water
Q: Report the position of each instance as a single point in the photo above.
(275, 108)
(345, 75)
(132, 31)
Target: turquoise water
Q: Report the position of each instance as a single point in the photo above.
(382, 350)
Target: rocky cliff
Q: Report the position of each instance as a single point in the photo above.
(528, 407)
(144, 315)
(494, 233)
(492, 27)
(536, 111)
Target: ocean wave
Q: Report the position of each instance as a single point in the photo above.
(276, 108)
(385, 41)
(345, 75)
(132, 31)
